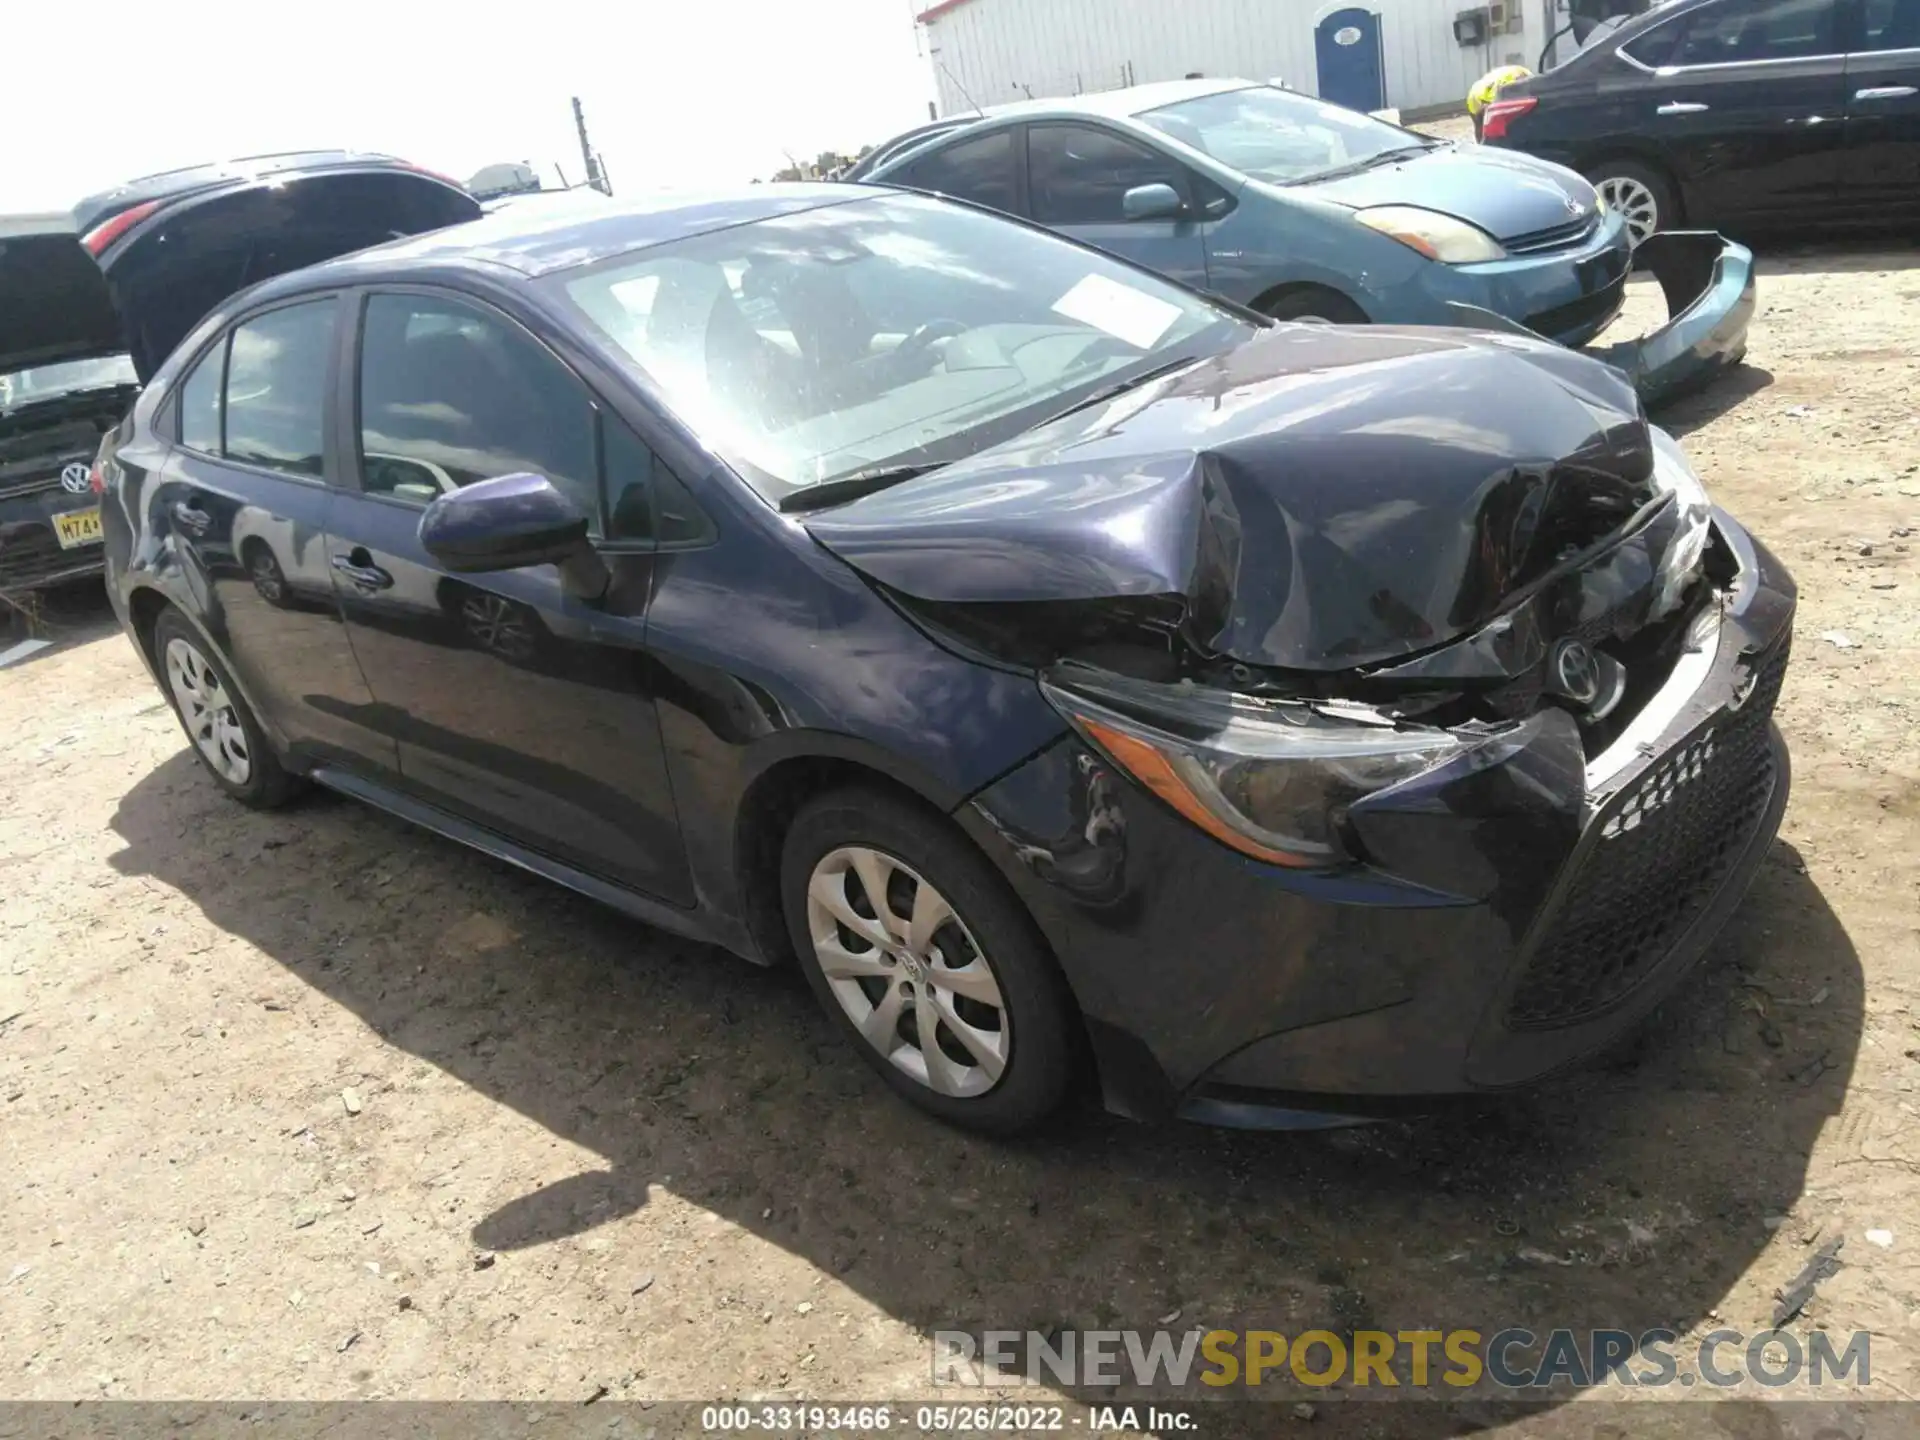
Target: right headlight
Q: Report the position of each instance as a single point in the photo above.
(1694, 512)
(1438, 237)
(1272, 779)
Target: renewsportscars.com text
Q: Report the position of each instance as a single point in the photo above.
(1509, 1359)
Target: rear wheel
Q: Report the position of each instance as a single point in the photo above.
(926, 962)
(1640, 193)
(226, 737)
(1314, 304)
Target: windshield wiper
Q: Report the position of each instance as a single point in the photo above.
(1356, 167)
(1119, 388)
(852, 486)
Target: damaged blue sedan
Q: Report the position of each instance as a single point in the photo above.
(1304, 210)
(1068, 671)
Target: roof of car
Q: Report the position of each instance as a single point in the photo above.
(1117, 104)
(538, 239)
(188, 178)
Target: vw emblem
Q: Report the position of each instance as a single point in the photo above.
(76, 479)
(1577, 671)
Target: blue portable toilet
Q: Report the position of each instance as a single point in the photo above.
(1348, 55)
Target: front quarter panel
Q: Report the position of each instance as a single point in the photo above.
(1273, 240)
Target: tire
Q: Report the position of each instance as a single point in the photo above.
(228, 742)
(1640, 192)
(840, 837)
(1312, 303)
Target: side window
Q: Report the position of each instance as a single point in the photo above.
(277, 385)
(200, 402)
(1077, 175)
(450, 394)
(1889, 25)
(1737, 32)
(980, 170)
(645, 500)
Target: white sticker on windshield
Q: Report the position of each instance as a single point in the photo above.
(1125, 313)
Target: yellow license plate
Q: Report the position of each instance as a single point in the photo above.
(78, 527)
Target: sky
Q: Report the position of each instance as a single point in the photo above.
(678, 93)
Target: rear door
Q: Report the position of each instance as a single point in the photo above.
(1881, 176)
(1077, 177)
(515, 705)
(1748, 106)
(242, 505)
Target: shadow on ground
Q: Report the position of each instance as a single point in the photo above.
(1630, 1196)
(68, 614)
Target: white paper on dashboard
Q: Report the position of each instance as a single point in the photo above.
(1127, 314)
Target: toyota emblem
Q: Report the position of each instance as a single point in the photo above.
(76, 479)
(1577, 669)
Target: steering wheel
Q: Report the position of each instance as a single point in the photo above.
(919, 345)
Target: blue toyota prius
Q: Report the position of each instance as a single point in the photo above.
(1067, 670)
(1306, 210)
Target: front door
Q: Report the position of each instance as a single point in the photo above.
(243, 504)
(514, 704)
(1882, 173)
(1749, 106)
(1077, 180)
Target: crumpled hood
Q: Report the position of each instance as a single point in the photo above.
(1317, 498)
(1505, 193)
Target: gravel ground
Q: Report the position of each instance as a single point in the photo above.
(313, 1106)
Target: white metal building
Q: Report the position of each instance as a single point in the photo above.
(1405, 52)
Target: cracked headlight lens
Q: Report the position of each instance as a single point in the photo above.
(1694, 511)
(1272, 779)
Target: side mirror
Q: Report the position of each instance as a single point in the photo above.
(509, 522)
(1158, 201)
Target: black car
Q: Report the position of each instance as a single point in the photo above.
(1060, 664)
(71, 364)
(64, 383)
(1741, 114)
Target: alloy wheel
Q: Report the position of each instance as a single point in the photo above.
(1635, 202)
(268, 579)
(903, 965)
(497, 625)
(208, 712)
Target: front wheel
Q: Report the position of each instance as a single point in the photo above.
(1312, 304)
(926, 961)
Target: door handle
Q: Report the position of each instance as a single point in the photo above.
(1886, 92)
(367, 576)
(195, 522)
(1680, 107)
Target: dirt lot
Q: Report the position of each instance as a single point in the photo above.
(311, 1105)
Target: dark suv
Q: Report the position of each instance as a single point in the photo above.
(64, 382)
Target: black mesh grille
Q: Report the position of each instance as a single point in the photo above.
(1664, 847)
(1576, 314)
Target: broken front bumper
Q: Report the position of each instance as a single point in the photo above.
(1518, 910)
(1708, 284)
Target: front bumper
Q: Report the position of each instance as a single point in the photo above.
(31, 555)
(1707, 281)
(1520, 910)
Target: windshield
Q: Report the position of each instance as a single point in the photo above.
(898, 330)
(1279, 136)
(48, 382)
